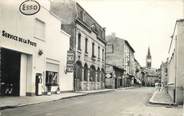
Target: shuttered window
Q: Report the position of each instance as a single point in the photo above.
(39, 29)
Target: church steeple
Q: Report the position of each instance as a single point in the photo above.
(148, 59)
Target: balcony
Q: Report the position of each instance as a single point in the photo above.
(93, 58)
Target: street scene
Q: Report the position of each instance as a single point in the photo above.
(92, 58)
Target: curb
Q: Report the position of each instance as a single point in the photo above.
(126, 88)
(85, 94)
(82, 94)
(158, 103)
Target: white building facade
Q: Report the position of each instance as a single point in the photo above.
(33, 52)
(176, 63)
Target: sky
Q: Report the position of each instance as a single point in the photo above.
(144, 23)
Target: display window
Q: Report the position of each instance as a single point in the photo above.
(51, 78)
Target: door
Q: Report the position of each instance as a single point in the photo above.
(116, 83)
(10, 73)
(77, 76)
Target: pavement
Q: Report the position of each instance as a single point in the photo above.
(121, 102)
(160, 96)
(12, 102)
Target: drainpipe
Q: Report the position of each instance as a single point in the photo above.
(175, 69)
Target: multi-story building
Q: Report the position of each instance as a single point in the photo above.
(87, 43)
(33, 52)
(119, 53)
(176, 63)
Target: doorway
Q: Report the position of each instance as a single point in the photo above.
(9, 72)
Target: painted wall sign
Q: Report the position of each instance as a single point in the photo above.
(19, 39)
(70, 61)
(29, 7)
(108, 75)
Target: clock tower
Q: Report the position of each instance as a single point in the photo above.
(148, 59)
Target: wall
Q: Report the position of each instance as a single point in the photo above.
(176, 63)
(87, 58)
(180, 61)
(116, 57)
(57, 42)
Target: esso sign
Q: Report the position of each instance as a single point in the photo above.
(29, 7)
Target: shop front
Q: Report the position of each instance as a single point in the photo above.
(33, 53)
(13, 72)
(10, 72)
(52, 73)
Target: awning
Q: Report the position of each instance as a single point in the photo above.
(138, 81)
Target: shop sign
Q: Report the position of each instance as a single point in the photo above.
(108, 75)
(19, 39)
(70, 61)
(29, 7)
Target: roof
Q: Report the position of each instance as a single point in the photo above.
(129, 46)
(89, 15)
(172, 36)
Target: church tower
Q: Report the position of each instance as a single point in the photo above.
(148, 59)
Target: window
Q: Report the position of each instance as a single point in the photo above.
(109, 48)
(93, 49)
(86, 45)
(79, 41)
(85, 72)
(51, 78)
(92, 73)
(103, 54)
(39, 29)
(98, 75)
(81, 15)
(98, 52)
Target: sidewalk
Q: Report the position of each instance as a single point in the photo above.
(161, 97)
(10, 102)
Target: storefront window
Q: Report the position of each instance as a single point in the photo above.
(51, 78)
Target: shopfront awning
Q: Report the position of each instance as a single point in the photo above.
(138, 81)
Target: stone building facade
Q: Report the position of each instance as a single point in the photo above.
(87, 43)
(119, 53)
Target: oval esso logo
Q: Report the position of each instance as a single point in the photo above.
(29, 7)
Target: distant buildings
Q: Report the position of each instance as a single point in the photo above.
(87, 44)
(120, 63)
(151, 75)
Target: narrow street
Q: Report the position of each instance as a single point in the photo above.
(121, 102)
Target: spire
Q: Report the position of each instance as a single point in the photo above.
(148, 59)
(149, 53)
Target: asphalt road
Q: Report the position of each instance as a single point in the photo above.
(122, 102)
